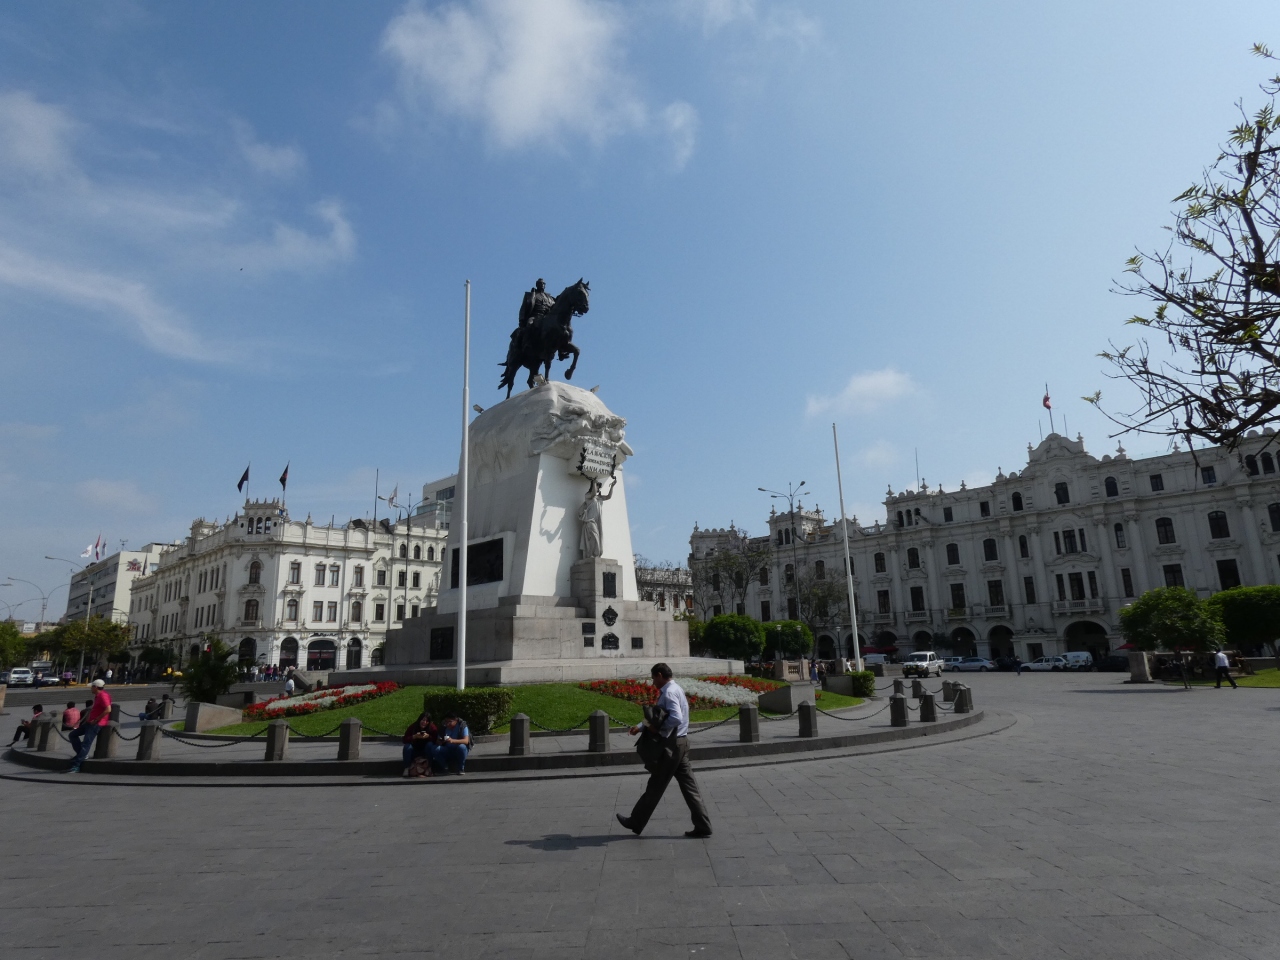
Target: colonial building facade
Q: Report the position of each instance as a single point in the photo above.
(288, 592)
(1037, 563)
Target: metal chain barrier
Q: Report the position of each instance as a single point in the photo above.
(208, 746)
(313, 736)
(128, 739)
(866, 716)
(381, 733)
(719, 723)
(787, 717)
(535, 723)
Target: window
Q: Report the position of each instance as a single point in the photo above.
(335, 572)
(715, 582)
(793, 612)
(957, 596)
(1208, 475)
(1083, 547)
(789, 573)
(295, 572)
(882, 601)
(417, 551)
(399, 612)
(1069, 542)
(416, 580)
(431, 553)
(989, 550)
(900, 523)
(255, 575)
(764, 576)
(1029, 589)
(984, 508)
(1061, 492)
(995, 593)
(1157, 482)
(1273, 514)
(1057, 543)
(766, 612)
(1218, 527)
(382, 578)
(1268, 465)
(199, 616)
(917, 599)
(948, 515)
(1251, 465)
(953, 554)
(320, 569)
(401, 578)
(1024, 550)
(1126, 581)
(819, 571)
(317, 611)
(332, 616)
(291, 611)
(1112, 488)
(1164, 530)
(357, 611)
(717, 610)
(357, 576)
(1017, 501)
(879, 559)
(1173, 575)
(913, 558)
(1228, 574)
(786, 536)
(1077, 585)
(1093, 585)
(608, 582)
(740, 582)
(379, 612)
(251, 610)
(413, 611)
(441, 644)
(1119, 530)
(1062, 585)
(404, 554)
(637, 643)
(779, 537)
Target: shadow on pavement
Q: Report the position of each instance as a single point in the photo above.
(564, 841)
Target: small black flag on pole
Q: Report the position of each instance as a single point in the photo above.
(284, 478)
(244, 478)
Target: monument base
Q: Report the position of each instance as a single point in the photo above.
(503, 673)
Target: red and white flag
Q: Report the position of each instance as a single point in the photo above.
(96, 549)
(1047, 405)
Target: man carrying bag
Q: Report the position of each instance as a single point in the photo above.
(664, 748)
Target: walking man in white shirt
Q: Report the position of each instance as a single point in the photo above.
(674, 732)
(1222, 667)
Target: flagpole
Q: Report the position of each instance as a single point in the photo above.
(462, 486)
(1049, 407)
(848, 562)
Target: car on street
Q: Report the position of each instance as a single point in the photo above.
(1078, 660)
(1047, 663)
(922, 663)
(949, 663)
(21, 677)
(1116, 661)
(981, 664)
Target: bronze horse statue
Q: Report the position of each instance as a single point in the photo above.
(547, 336)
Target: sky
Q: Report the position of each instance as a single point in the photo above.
(238, 233)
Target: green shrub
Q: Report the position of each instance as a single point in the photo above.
(733, 635)
(482, 707)
(864, 683)
(791, 637)
(211, 674)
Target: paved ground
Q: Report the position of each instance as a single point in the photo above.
(1110, 821)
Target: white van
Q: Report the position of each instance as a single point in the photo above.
(1078, 661)
(870, 658)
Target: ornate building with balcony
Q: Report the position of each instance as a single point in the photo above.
(288, 592)
(1037, 563)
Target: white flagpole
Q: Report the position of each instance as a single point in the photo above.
(848, 562)
(462, 498)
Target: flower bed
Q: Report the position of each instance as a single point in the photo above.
(704, 693)
(751, 683)
(644, 693)
(327, 698)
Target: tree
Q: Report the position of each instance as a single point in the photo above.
(790, 637)
(211, 674)
(13, 649)
(1216, 296)
(1250, 616)
(733, 635)
(823, 602)
(1171, 618)
(96, 637)
(723, 577)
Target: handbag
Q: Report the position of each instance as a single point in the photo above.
(652, 747)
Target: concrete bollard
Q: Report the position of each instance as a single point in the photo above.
(898, 710)
(899, 689)
(808, 719)
(44, 734)
(350, 734)
(104, 745)
(917, 689)
(964, 699)
(948, 691)
(277, 741)
(520, 745)
(598, 728)
(115, 713)
(928, 709)
(149, 738)
(749, 723)
(877, 669)
(166, 709)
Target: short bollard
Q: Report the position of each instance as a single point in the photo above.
(44, 734)
(104, 747)
(808, 719)
(749, 723)
(350, 733)
(277, 740)
(917, 689)
(166, 709)
(149, 740)
(598, 727)
(520, 746)
(115, 713)
(898, 688)
(898, 710)
(928, 709)
(948, 691)
(877, 669)
(964, 699)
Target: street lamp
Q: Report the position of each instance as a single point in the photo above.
(88, 612)
(790, 497)
(44, 597)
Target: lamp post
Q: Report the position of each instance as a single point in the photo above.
(44, 597)
(408, 536)
(790, 497)
(88, 611)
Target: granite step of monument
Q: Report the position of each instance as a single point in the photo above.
(549, 670)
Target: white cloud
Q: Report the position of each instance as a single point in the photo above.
(122, 495)
(293, 249)
(33, 135)
(265, 158)
(879, 454)
(778, 21)
(528, 73)
(681, 121)
(863, 393)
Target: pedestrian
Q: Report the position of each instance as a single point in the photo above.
(288, 687)
(673, 733)
(1017, 664)
(99, 716)
(27, 727)
(1222, 667)
(71, 716)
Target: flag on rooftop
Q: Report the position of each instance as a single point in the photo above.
(284, 477)
(244, 478)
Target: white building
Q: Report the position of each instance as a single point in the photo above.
(289, 592)
(111, 581)
(1037, 563)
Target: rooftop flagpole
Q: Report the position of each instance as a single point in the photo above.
(462, 486)
(848, 562)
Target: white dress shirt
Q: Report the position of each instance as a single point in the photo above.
(1221, 660)
(673, 700)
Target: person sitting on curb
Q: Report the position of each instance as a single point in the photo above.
(70, 716)
(151, 711)
(27, 727)
(455, 743)
(419, 739)
(99, 716)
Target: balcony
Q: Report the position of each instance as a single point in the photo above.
(958, 613)
(917, 616)
(1071, 607)
(997, 610)
(882, 618)
(250, 624)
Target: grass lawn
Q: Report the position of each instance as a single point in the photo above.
(554, 705)
(1263, 678)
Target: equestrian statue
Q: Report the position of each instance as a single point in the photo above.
(544, 332)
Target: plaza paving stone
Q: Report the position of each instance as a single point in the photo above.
(1110, 821)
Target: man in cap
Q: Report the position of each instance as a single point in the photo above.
(99, 716)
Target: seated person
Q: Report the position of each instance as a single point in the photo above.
(419, 740)
(27, 727)
(455, 743)
(70, 716)
(151, 711)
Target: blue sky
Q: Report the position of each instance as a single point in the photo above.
(239, 231)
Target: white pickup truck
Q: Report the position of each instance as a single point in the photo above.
(922, 663)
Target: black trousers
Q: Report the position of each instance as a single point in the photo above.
(1224, 673)
(678, 766)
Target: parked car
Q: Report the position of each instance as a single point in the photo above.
(1047, 663)
(21, 677)
(1077, 660)
(870, 658)
(922, 663)
(4, 676)
(1116, 661)
(949, 663)
(981, 664)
